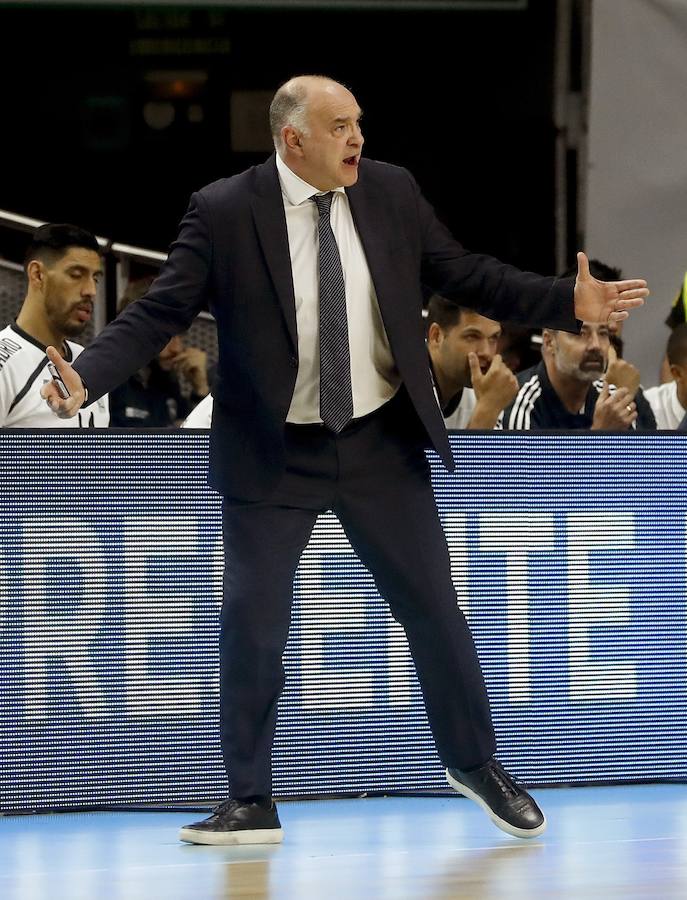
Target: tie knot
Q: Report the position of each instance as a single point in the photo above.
(323, 202)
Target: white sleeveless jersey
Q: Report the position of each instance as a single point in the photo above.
(23, 372)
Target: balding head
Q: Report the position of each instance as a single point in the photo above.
(290, 104)
(315, 124)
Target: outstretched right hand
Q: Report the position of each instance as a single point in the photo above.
(67, 407)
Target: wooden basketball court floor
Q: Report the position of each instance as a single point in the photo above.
(602, 842)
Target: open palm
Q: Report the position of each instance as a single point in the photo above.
(605, 301)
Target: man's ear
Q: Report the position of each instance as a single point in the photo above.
(548, 339)
(434, 335)
(678, 373)
(291, 138)
(35, 272)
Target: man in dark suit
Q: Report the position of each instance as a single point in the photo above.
(312, 265)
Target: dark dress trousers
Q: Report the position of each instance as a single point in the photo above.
(232, 254)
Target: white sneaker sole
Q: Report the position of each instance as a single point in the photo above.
(497, 820)
(232, 838)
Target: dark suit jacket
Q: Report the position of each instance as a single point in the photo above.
(232, 254)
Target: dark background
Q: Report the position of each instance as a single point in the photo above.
(463, 99)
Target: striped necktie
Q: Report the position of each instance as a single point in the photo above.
(336, 395)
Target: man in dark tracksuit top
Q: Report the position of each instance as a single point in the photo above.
(572, 388)
(313, 265)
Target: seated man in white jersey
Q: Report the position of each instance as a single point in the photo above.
(669, 400)
(63, 266)
(472, 382)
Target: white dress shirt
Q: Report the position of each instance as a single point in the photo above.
(374, 376)
(668, 410)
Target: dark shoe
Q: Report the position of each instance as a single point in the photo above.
(236, 822)
(507, 805)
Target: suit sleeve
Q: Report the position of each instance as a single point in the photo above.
(495, 289)
(175, 298)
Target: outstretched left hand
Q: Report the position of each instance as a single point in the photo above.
(605, 301)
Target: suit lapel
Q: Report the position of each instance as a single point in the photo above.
(270, 222)
(368, 206)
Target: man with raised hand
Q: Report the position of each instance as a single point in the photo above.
(473, 383)
(313, 264)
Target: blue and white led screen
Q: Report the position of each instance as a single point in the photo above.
(568, 555)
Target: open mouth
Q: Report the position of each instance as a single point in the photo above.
(351, 161)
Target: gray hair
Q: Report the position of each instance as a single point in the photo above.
(289, 107)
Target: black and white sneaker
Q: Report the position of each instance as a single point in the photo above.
(237, 822)
(507, 805)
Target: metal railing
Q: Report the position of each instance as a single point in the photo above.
(117, 258)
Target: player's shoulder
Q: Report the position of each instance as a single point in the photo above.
(16, 349)
(524, 409)
(661, 391)
(242, 185)
(528, 377)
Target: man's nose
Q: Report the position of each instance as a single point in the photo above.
(356, 136)
(90, 288)
(484, 351)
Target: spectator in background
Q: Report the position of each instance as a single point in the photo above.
(473, 384)
(153, 397)
(676, 316)
(63, 267)
(669, 400)
(678, 311)
(568, 389)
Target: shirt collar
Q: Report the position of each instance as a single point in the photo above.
(294, 188)
(66, 349)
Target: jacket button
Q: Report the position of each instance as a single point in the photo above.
(293, 361)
